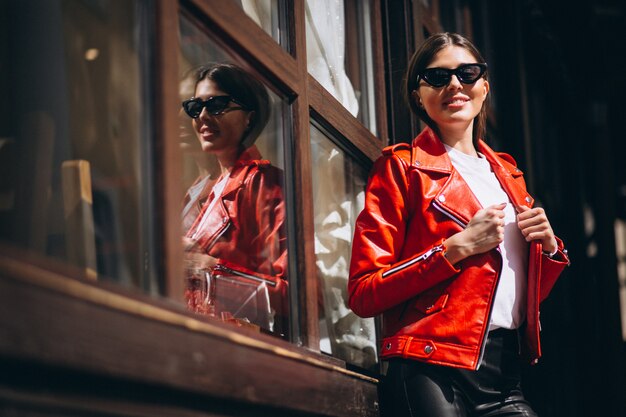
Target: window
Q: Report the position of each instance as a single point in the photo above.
(338, 195)
(75, 137)
(233, 216)
(268, 15)
(97, 155)
(340, 54)
(286, 146)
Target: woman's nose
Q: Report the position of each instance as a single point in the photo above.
(204, 114)
(206, 118)
(454, 83)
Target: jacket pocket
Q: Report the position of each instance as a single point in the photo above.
(431, 303)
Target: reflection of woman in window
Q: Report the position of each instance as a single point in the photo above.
(451, 251)
(234, 218)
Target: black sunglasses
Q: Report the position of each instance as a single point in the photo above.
(466, 73)
(215, 105)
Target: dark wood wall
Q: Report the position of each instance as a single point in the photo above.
(557, 83)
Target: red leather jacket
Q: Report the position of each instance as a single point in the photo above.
(434, 311)
(245, 230)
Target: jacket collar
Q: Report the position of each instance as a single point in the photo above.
(429, 154)
(248, 159)
(251, 156)
(506, 172)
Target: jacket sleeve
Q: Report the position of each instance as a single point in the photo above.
(379, 279)
(551, 268)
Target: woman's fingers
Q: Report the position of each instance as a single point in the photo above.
(534, 225)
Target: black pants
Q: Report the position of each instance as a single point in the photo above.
(416, 389)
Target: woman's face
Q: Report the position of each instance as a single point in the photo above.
(453, 106)
(223, 132)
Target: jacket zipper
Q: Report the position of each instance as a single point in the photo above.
(429, 252)
(484, 336)
(448, 214)
(220, 267)
(218, 235)
(422, 257)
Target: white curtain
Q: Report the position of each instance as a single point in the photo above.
(325, 44)
(338, 195)
(260, 11)
(325, 50)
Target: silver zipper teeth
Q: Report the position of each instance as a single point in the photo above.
(464, 225)
(443, 211)
(422, 257)
(243, 274)
(484, 342)
(431, 251)
(219, 235)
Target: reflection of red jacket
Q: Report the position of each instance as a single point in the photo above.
(434, 311)
(245, 230)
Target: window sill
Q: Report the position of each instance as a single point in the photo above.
(50, 319)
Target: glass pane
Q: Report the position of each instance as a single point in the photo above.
(338, 196)
(74, 135)
(340, 55)
(234, 226)
(266, 14)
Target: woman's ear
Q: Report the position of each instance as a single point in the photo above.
(246, 138)
(250, 120)
(486, 88)
(415, 96)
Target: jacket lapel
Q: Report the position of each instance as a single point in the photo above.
(507, 173)
(455, 197)
(214, 224)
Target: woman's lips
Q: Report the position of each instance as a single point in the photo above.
(207, 133)
(456, 102)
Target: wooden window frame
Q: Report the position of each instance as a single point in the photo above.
(120, 347)
(286, 71)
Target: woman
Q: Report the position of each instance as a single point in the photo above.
(234, 218)
(451, 252)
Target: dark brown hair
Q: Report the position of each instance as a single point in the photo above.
(243, 87)
(420, 61)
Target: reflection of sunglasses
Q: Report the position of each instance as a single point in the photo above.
(466, 73)
(215, 105)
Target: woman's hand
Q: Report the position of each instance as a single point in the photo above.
(534, 225)
(484, 232)
(196, 258)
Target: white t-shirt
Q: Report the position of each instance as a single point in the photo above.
(216, 194)
(509, 306)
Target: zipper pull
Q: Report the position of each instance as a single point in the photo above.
(430, 252)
